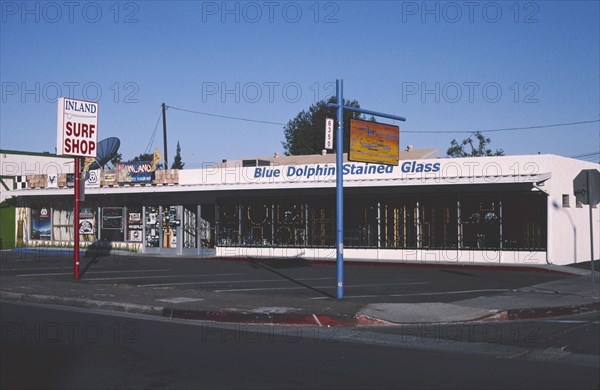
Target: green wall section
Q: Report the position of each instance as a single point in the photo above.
(7, 227)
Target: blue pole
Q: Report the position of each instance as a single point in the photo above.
(339, 184)
(339, 189)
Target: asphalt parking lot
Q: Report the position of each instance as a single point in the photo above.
(398, 283)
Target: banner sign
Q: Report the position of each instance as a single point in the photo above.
(135, 172)
(77, 130)
(374, 142)
(41, 224)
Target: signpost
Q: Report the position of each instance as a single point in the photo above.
(339, 186)
(77, 136)
(586, 187)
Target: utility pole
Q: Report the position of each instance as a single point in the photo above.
(164, 115)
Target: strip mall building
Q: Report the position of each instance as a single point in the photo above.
(506, 210)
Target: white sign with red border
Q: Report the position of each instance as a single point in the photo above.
(77, 131)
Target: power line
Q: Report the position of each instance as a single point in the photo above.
(153, 134)
(404, 131)
(227, 116)
(506, 129)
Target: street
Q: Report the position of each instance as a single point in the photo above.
(70, 348)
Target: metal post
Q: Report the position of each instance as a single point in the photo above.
(589, 194)
(339, 189)
(76, 220)
(164, 115)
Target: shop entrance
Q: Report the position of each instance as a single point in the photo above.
(178, 230)
(162, 229)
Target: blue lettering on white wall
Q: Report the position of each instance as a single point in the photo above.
(348, 169)
(415, 167)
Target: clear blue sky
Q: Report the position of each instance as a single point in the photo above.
(445, 66)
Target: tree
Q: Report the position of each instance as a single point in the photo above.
(143, 157)
(177, 163)
(116, 159)
(458, 150)
(147, 157)
(305, 134)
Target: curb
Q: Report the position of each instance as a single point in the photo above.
(229, 316)
(81, 302)
(290, 319)
(542, 312)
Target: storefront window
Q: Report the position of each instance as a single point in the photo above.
(256, 224)
(321, 223)
(228, 223)
(152, 227)
(62, 225)
(360, 223)
(480, 222)
(524, 222)
(452, 221)
(170, 221)
(399, 223)
(134, 225)
(290, 224)
(112, 224)
(189, 228)
(438, 219)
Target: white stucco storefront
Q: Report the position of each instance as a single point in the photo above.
(509, 209)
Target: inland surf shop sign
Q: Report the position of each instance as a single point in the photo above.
(77, 132)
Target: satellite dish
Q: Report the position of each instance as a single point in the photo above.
(107, 149)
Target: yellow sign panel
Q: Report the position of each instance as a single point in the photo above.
(374, 142)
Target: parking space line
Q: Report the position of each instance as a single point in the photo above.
(417, 294)
(231, 281)
(33, 269)
(97, 272)
(572, 322)
(161, 276)
(302, 287)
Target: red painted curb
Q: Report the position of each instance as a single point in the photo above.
(303, 319)
(260, 318)
(542, 312)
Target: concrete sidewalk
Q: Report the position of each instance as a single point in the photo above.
(569, 294)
